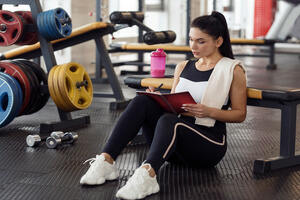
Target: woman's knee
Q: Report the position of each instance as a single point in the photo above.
(141, 100)
(167, 119)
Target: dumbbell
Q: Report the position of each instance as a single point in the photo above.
(68, 137)
(35, 140)
(157, 37)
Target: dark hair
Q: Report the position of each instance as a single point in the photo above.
(215, 25)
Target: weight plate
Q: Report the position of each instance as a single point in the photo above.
(54, 93)
(19, 74)
(11, 28)
(10, 102)
(66, 105)
(29, 36)
(75, 85)
(19, 94)
(54, 24)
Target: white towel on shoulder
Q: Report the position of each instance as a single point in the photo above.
(218, 87)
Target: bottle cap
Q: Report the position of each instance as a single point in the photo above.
(159, 53)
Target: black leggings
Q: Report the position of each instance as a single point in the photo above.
(170, 137)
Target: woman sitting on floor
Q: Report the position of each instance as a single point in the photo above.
(197, 137)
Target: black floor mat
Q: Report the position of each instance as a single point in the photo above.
(41, 173)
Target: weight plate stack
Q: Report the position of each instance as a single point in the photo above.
(70, 87)
(54, 24)
(35, 87)
(10, 98)
(43, 95)
(18, 73)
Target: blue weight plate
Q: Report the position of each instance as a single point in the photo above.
(67, 27)
(39, 24)
(19, 97)
(66, 30)
(59, 12)
(48, 24)
(42, 25)
(54, 24)
(58, 15)
(10, 102)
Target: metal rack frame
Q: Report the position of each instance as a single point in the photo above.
(66, 123)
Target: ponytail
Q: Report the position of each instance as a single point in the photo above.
(216, 26)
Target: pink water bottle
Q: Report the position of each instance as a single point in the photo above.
(158, 63)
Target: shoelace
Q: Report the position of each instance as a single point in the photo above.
(147, 164)
(90, 161)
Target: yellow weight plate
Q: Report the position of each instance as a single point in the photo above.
(65, 106)
(52, 88)
(70, 76)
(60, 88)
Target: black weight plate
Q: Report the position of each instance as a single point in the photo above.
(43, 81)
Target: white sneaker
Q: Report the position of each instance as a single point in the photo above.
(99, 171)
(140, 185)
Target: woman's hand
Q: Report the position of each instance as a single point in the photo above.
(197, 110)
(152, 89)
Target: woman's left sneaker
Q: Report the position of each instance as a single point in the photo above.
(140, 185)
(99, 171)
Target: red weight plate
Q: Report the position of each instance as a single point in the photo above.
(16, 72)
(29, 37)
(11, 28)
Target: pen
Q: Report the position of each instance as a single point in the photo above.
(159, 87)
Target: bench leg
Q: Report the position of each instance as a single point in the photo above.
(272, 64)
(263, 166)
(98, 72)
(112, 77)
(287, 156)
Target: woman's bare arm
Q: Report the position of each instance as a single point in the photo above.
(179, 67)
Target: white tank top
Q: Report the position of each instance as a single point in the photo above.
(193, 81)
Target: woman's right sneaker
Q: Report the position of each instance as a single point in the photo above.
(100, 170)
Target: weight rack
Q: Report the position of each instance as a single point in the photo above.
(66, 121)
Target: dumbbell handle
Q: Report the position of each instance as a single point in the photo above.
(34, 140)
(52, 142)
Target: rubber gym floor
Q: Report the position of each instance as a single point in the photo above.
(41, 173)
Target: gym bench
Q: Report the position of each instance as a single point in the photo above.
(93, 31)
(284, 99)
(178, 49)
